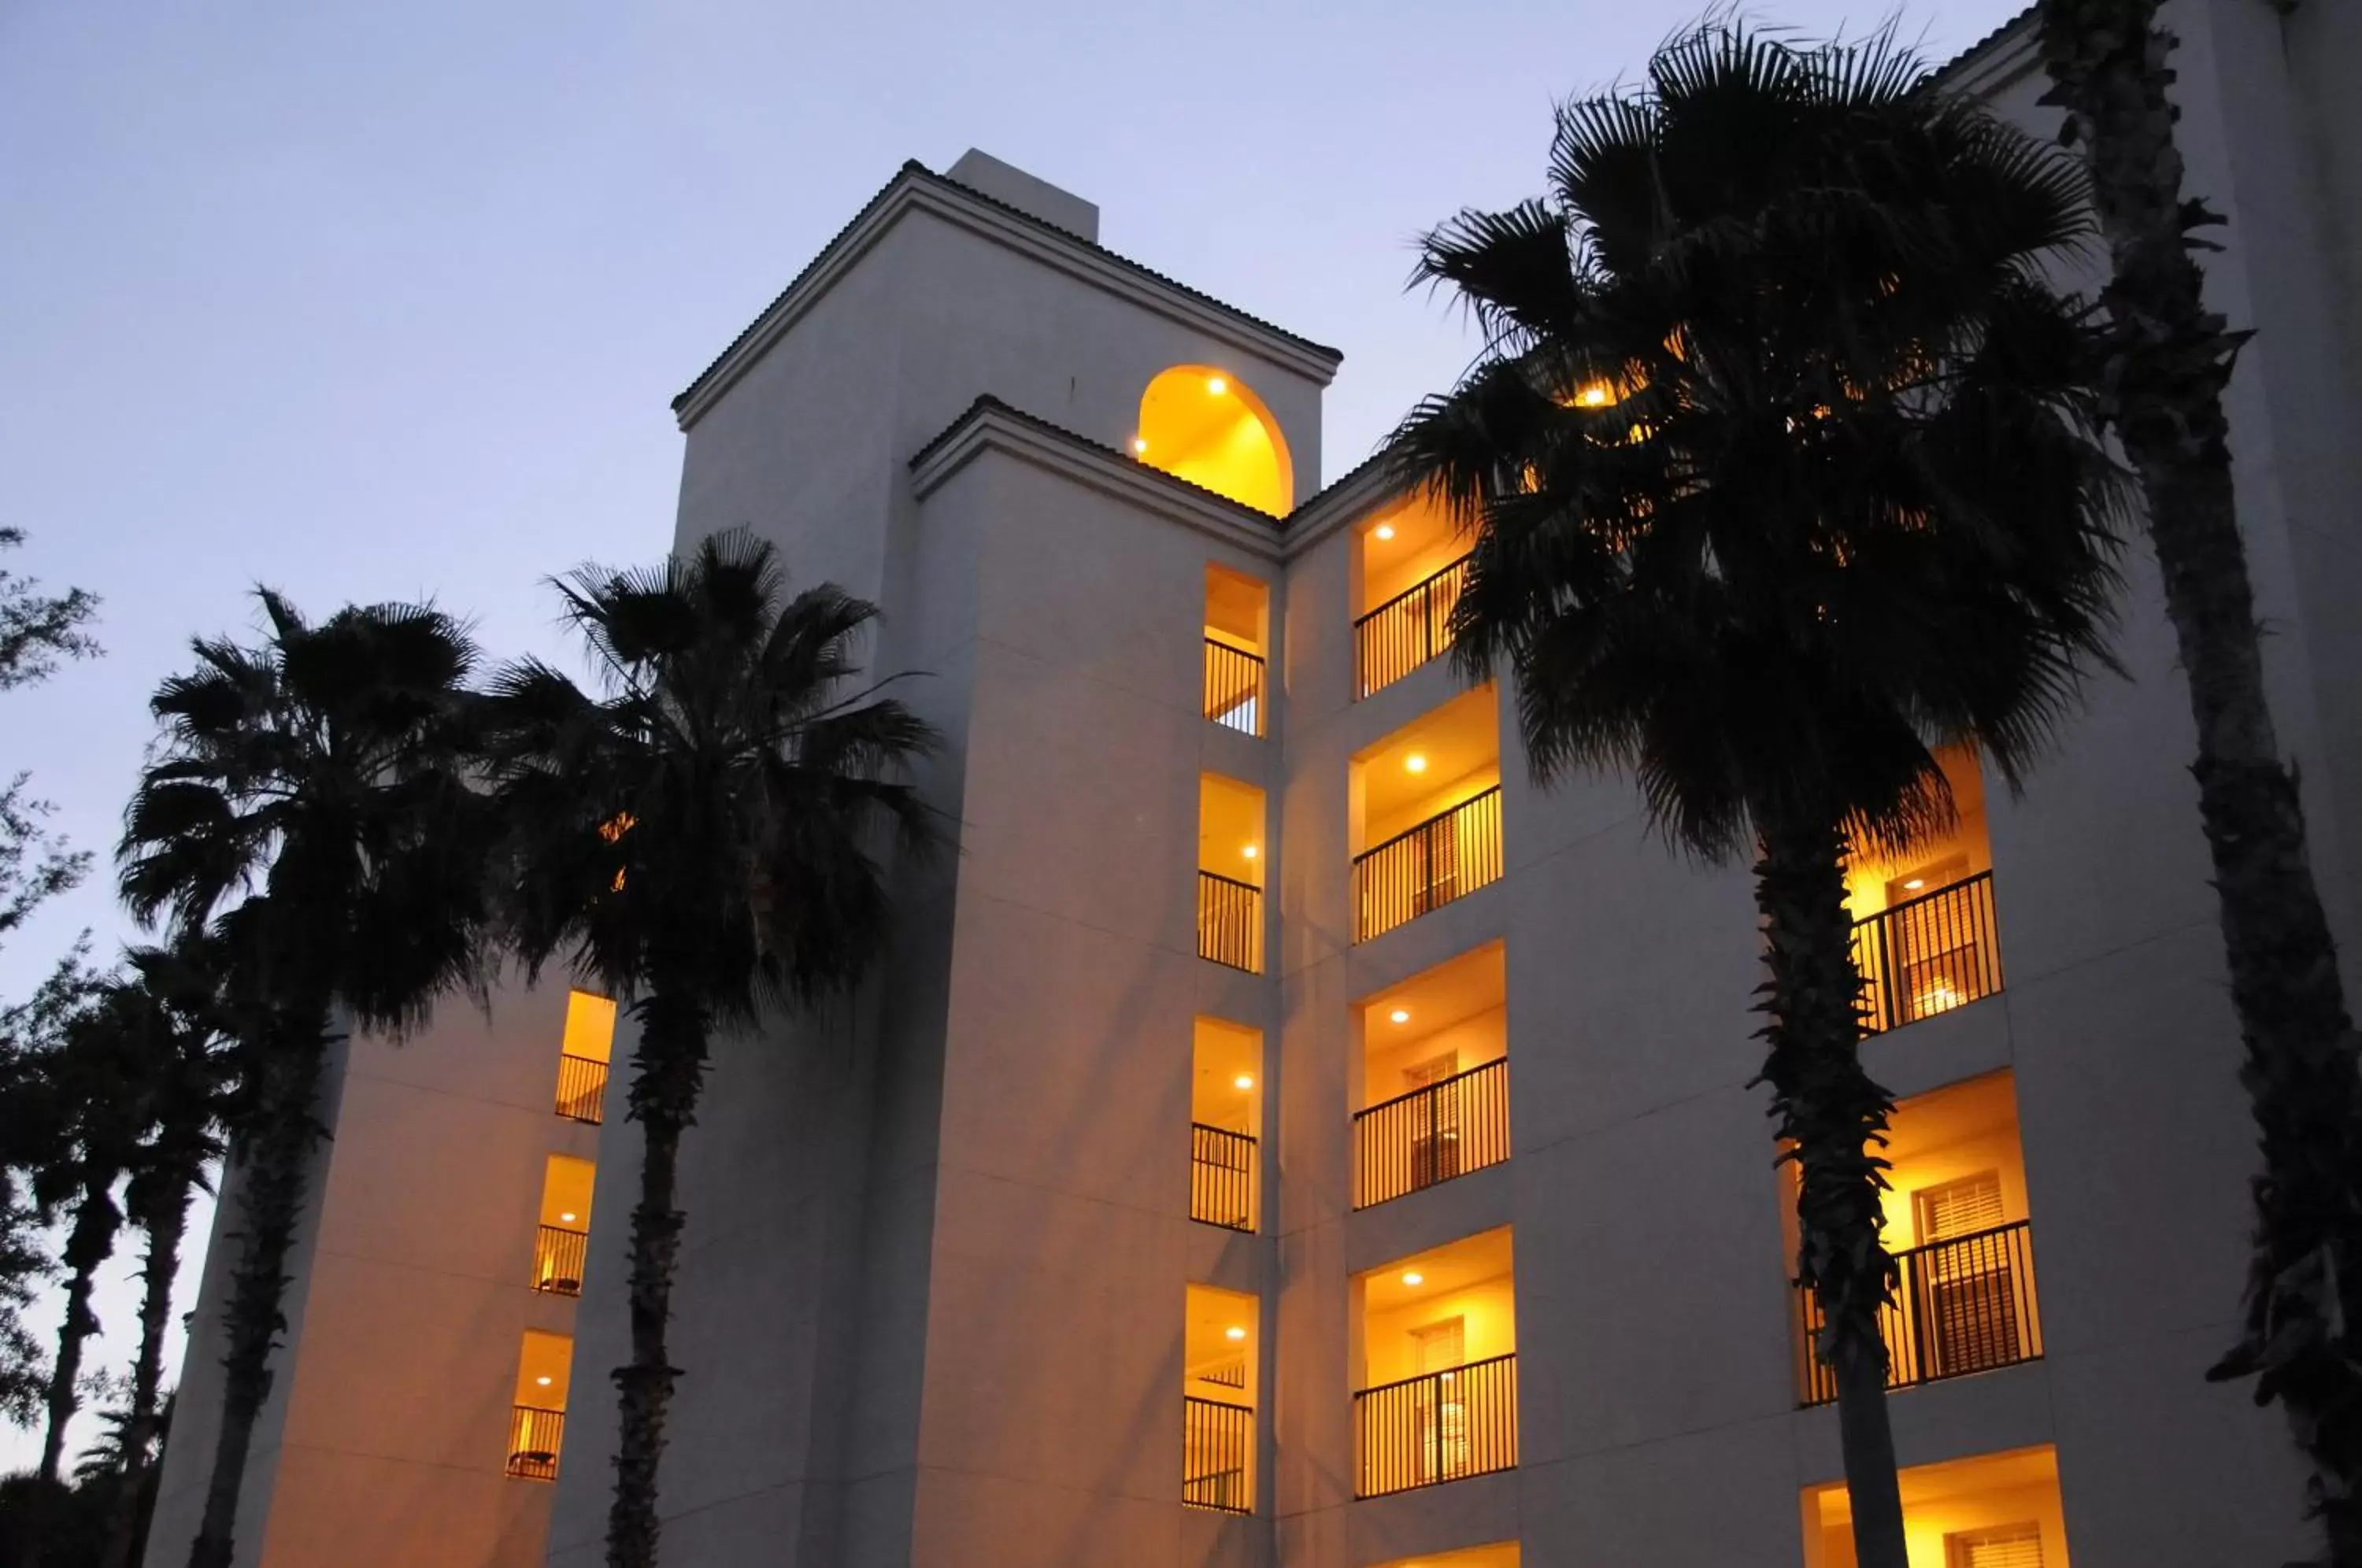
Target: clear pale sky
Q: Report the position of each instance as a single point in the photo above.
(371, 302)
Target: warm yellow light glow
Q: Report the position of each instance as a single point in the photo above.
(1216, 386)
(1382, 531)
(1915, 884)
(1415, 763)
(1400, 1015)
(543, 1380)
(1200, 426)
(1249, 852)
(1234, 1333)
(1596, 395)
(567, 1218)
(1140, 443)
(1412, 1277)
(1244, 1080)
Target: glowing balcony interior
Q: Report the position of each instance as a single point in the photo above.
(1998, 1510)
(1925, 935)
(1432, 1081)
(1226, 1122)
(1204, 424)
(1424, 806)
(537, 1420)
(1221, 1379)
(1238, 621)
(561, 1242)
(1406, 576)
(589, 1039)
(1436, 1357)
(1230, 872)
(1499, 1555)
(1958, 1219)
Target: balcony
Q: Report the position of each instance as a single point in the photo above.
(1439, 1367)
(535, 1438)
(1407, 631)
(1216, 1441)
(558, 1254)
(581, 1088)
(1447, 1129)
(1230, 921)
(1230, 872)
(1994, 1510)
(1222, 1177)
(1439, 1426)
(1234, 688)
(1965, 1305)
(1422, 869)
(1927, 954)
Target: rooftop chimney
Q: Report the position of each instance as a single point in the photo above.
(1036, 198)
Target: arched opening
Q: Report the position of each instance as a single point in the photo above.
(1204, 425)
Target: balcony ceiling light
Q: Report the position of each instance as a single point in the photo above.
(1382, 531)
(1234, 1333)
(1913, 885)
(1140, 444)
(1415, 763)
(1400, 1015)
(1411, 1276)
(1244, 1080)
(1249, 852)
(566, 1218)
(541, 1382)
(1218, 386)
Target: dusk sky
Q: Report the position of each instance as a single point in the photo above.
(387, 302)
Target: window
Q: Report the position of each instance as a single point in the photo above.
(2011, 1546)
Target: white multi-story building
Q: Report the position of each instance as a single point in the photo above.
(1282, 1133)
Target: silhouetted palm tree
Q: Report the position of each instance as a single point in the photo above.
(310, 807)
(1781, 469)
(702, 839)
(2170, 357)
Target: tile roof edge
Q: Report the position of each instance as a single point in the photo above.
(914, 171)
(985, 404)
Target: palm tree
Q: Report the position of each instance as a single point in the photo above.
(1781, 469)
(183, 1085)
(310, 807)
(701, 840)
(2169, 360)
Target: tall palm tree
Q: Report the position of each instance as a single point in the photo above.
(702, 839)
(2168, 359)
(177, 1011)
(1781, 465)
(310, 806)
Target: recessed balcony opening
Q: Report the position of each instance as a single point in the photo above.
(1202, 424)
(1435, 1344)
(1433, 1090)
(1238, 627)
(1409, 563)
(1220, 1379)
(1997, 1510)
(1231, 855)
(537, 1421)
(1924, 936)
(582, 1058)
(1425, 814)
(1225, 1123)
(562, 1242)
(1499, 1555)
(1957, 1221)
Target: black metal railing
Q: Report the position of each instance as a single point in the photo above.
(558, 1254)
(1217, 1444)
(1230, 921)
(1965, 1305)
(1447, 856)
(1222, 1176)
(1433, 1133)
(1927, 954)
(1439, 1426)
(535, 1436)
(1234, 688)
(581, 1088)
(1406, 630)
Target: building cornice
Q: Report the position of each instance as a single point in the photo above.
(919, 189)
(2002, 56)
(991, 425)
(1356, 492)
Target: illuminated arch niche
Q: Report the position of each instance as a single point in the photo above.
(1205, 426)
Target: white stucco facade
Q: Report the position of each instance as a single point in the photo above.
(930, 1305)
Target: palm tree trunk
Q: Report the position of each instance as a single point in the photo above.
(166, 1221)
(275, 1176)
(668, 1073)
(87, 1246)
(1832, 1119)
(2169, 360)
